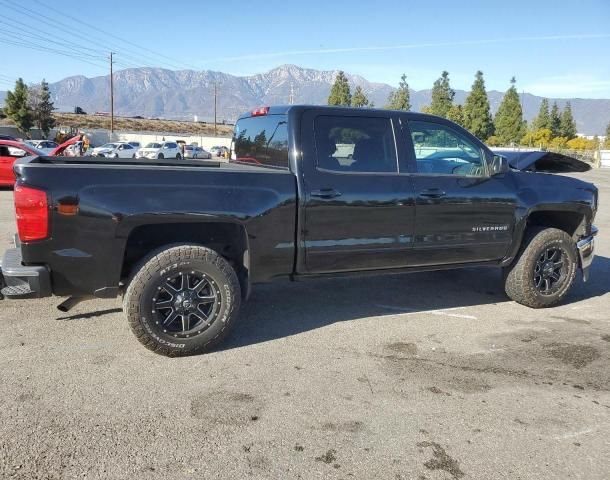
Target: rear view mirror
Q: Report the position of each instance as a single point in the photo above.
(499, 165)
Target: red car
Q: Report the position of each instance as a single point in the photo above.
(9, 152)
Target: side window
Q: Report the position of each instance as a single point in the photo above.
(441, 150)
(127, 147)
(261, 141)
(355, 144)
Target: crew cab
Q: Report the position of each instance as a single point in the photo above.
(310, 191)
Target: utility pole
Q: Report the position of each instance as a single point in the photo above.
(111, 97)
(215, 104)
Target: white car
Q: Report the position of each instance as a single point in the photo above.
(46, 146)
(115, 150)
(157, 150)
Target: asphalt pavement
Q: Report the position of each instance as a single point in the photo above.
(422, 376)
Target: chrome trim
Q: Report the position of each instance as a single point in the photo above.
(586, 252)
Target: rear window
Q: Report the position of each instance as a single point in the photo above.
(262, 141)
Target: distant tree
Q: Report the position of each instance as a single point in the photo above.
(567, 125)
(42, 107)
(543, 119)
(79, 111)
(509, 123)
(2, 114)
(555, 120)
(340, 93)
(359, 99)
(456, 114)
(538, 138)
(477, 115)
(17, 107)
(607, 140)
(581, 143)
(442, 96)
(559, 142)
(401, 98)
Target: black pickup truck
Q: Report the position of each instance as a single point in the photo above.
(309, 191)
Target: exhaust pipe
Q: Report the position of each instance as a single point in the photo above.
(70, 303)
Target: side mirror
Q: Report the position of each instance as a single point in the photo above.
(499, 165)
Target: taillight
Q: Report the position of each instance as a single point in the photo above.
(32, 211)
(260, 112)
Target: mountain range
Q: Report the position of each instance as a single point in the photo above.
(184, 94)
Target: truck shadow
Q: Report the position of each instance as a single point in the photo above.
(281, 310)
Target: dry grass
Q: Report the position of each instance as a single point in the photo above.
(138, 125)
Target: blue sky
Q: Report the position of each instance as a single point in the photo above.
(554, 48)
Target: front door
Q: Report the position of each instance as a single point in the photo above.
(463, 214)
(359, 212)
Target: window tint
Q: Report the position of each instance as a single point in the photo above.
(355, 144)
(439, 149)
(261, 141)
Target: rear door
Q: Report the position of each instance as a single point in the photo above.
(358, 211)
(463, 213)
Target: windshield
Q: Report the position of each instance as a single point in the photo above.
(153, 145)
(109, 145)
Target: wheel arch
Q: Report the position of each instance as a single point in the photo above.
(230, 240)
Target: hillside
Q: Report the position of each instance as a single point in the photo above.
(137, 125)
(180, 95)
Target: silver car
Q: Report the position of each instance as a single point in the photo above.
(192, 151)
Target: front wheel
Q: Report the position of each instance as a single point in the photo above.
(183, 301)
(160, 156)
(544, 270)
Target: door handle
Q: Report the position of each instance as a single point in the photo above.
(326, 193)
(432, 193)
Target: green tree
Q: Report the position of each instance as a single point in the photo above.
(567, 127)
(17, 107)
(555, 120)
(456, 114)
(359, 99)
(509, 123)
(340, 93)
(477, 115)
(442, 96)
(543, 119)
(401, 98)
(43, 113)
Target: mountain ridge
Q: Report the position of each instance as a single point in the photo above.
(183, 94)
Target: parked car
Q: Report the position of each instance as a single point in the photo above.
(8, 137)
(115, 150)
(10, 151)
(219, 151)
(192, 151)
(160, 150)
(46, 146)
(185, 243)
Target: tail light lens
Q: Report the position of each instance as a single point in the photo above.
(32, 211)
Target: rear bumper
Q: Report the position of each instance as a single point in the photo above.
(586, 252)
(19, 281)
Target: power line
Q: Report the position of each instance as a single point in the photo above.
(157, 54)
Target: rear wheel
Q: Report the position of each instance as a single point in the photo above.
(160, 156)
(544, 271)
(178, 156)
(183, 301)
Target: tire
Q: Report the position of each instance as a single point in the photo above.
(160, 156)
(525, 281)
(155, 308)
(178, 156)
